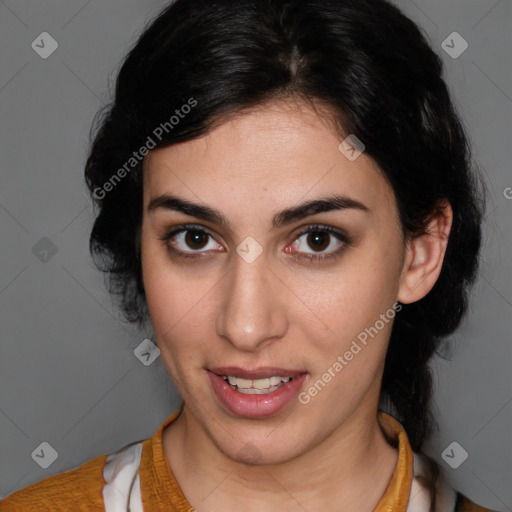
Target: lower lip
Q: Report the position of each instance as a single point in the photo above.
(255, 406)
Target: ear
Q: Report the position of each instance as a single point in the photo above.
(424, 256)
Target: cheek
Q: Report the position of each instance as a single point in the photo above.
(178, 318)
(336, 307)
(346, 356)
(169, 293)
(178, 305)
(349, 350)
(175, 316)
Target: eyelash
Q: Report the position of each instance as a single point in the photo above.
(309, 256)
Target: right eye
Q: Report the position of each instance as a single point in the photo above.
(189, 237)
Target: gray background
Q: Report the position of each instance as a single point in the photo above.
(68, 373)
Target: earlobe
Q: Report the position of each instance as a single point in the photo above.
(424, 257)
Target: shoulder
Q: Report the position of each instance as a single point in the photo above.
(107, 482)
(464, 504)
(448, 499)
(77, 489)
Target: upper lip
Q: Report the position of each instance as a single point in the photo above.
(263, 372)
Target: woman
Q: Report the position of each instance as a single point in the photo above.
(285, 191)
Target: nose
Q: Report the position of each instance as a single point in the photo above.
(251, 313)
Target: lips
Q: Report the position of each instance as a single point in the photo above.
(255, 404)
(263, 372)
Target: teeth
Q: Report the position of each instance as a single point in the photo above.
(254, 391)
(241, 383)
(256, 386)
(262, 383)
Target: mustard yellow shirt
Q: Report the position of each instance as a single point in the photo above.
(138, 478)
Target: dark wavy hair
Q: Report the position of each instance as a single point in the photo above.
(380, 79)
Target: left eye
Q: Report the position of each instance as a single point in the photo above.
(319, 238)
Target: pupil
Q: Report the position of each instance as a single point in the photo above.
(319, 239)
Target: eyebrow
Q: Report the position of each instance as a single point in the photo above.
(285, 217)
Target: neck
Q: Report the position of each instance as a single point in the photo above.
(353, 466)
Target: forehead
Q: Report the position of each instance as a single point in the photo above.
(271, 156)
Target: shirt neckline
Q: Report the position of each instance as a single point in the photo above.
(165, 489)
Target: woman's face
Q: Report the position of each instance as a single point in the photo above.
(243, 298)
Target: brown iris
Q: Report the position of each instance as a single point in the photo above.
(318, 239)
(194, 237)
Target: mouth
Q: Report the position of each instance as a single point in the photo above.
(255, 393)
(256, 386)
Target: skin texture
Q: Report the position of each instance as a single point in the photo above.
(280, 310)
